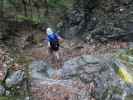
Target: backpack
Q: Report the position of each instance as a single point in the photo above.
(54, 42)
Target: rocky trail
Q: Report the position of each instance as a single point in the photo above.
(86, 73)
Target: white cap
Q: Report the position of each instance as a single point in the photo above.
(49, 31)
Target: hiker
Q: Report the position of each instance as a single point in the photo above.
(53, 42)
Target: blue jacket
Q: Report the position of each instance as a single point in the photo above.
(53, 37)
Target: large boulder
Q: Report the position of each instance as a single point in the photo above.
(85, 77)
(99, 70)
(78, 65)
(41, 70)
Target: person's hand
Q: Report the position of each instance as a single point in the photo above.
(61, 40)
(48, 46)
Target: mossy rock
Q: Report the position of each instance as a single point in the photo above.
(121, 70)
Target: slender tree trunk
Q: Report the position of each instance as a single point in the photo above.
(25, 7)
(38, 11)
(1, 8)
(31, 11)
(46, 7)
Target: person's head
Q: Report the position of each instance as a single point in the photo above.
(49, 31)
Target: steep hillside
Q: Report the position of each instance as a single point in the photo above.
(102, 19)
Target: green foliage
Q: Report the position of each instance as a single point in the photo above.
(11, 98)
(34, 10)
(22, 18)
(60, 3)
(55, 3)
(7, 98)
(34, 19)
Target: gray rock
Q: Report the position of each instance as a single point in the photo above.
(15, 78)
(3, 71)
(41, 70)
(117, 97)
(2, 90)
(129, 90)
(8, 93)
(27, 98)
(130, 44)
(79, 65)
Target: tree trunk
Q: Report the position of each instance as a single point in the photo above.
(31, 11)
(1, 8)
(38, 11)
(46, 7)
(25, 7)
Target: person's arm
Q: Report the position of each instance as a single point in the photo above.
(48, 44)
(59, 38)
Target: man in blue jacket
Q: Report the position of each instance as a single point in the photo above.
(53, 42)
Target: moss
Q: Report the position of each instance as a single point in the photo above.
(124, 57)
(130, 97)
(8, 98)
(4, 98)
(122, 72)
(33, 19)
(60, 3)
(117, 90)
(130, 51)
(1, 82)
